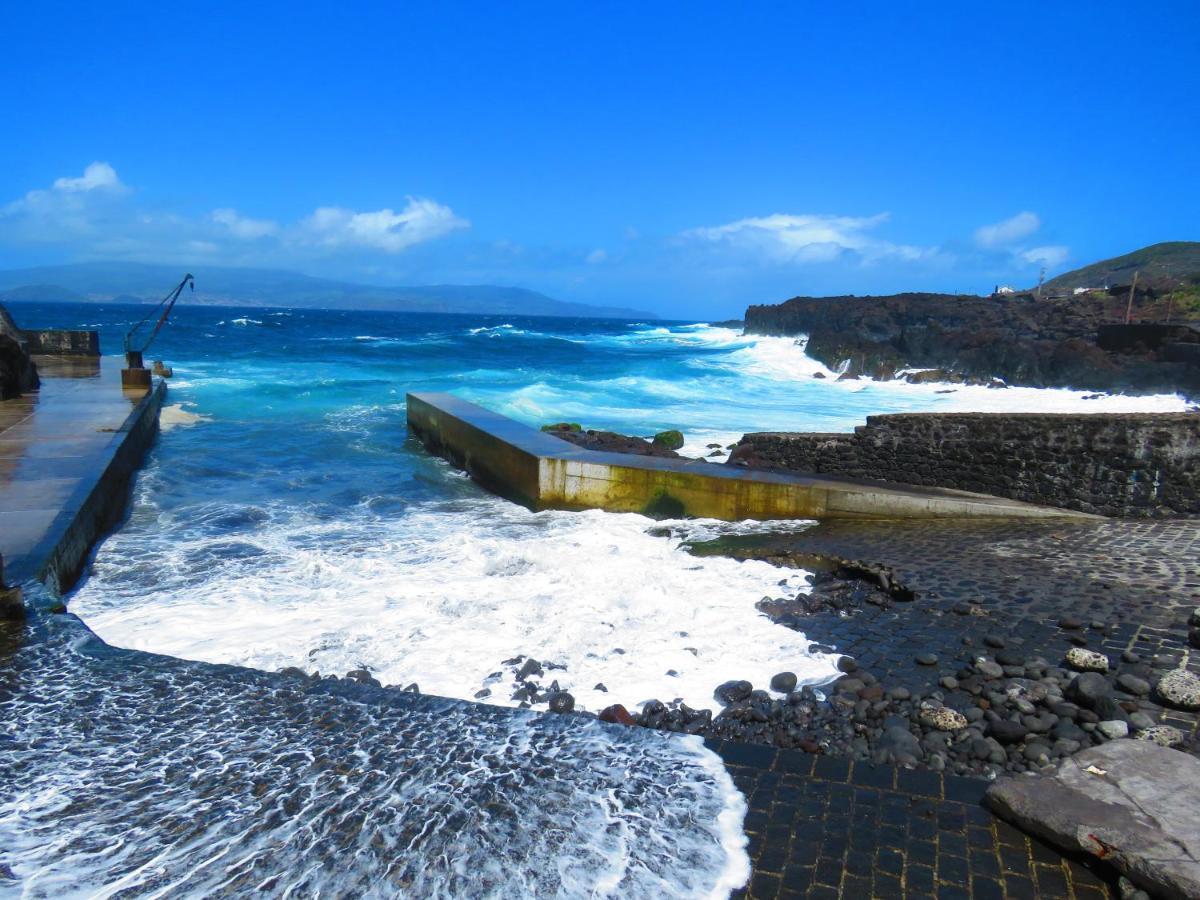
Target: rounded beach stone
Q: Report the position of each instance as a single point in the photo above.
(1180, 688)
(733, 691)
(1008, 732)
(989, 669)
(927, 659)
(1163, 735)
(1139, 687)
(1087, 660)
(1113, 729)
(1195, 619)
(942, 719)
(784, 682)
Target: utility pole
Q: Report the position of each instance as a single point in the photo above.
(1129, 307)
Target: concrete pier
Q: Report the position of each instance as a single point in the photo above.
(540, 471)
(67, 452)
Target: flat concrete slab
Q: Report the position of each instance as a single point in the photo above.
(541, 471)
(1131, 803)
(55, 443)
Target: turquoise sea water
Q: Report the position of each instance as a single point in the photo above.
(284, 518)
(290, 521)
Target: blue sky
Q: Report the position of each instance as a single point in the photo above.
(688, 158)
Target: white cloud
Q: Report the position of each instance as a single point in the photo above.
(1000, 234)
(243, 226)
(808, 238)
(597, 256)
(1049, 256)
(97, 176)
(97, 216)
(420, 220)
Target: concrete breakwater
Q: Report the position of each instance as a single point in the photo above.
(543, 472)
(1141, 465)
(67, 455)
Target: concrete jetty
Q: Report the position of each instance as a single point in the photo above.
(541, 471)
(67, 452)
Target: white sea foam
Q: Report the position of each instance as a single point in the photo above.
(143, 777)
(444, 593)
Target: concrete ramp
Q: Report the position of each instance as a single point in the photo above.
(541, 471)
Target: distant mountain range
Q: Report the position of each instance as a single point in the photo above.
(1171, 261)
(110, 282)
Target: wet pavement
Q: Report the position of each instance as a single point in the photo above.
(1129, 585)
(52, 441)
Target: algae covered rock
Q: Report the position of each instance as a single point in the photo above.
(1180, 689)
(1087, 660)
(670, 439)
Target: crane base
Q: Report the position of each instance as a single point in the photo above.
(135, 378)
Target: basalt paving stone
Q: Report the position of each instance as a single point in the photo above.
(830, 828)
(1012, 581)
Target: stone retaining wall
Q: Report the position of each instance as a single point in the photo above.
(62, 342)
(1141, 465)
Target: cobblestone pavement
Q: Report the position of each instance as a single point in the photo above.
(826, 827)
(1131, 584)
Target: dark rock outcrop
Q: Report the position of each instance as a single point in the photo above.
(17, 371)
(609, 441)
(1022, 339)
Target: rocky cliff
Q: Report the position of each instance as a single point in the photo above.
(17, 371)
(1022, 339)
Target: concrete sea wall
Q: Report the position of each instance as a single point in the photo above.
(543, 472)
(1139, 465)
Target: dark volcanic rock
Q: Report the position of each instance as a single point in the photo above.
(1040, 342)
(561, 702)
(17, 371)
(610, 441)
(733, 691)
(784, 682)
(1089, 689)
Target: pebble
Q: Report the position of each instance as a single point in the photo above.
(847, 664)
(1113, 729)
(927, 659)
(733, 691)
(1163, 735)
(949, 682)
(1070, 623)
(1131, 684)
(989, 669)
(1180, 688)
(1195, 619)
(1087, 660)
(1008, 732)
(784, 682)
(994, 640)
(942, 718)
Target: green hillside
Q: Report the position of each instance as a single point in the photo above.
(1171, 261)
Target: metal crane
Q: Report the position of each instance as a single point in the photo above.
(136, 374)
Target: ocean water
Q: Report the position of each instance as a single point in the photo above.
(284, 518)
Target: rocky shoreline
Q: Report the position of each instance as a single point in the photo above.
(1019, 339)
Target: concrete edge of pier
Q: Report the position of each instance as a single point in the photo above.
(540, 471)
(95, 506)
